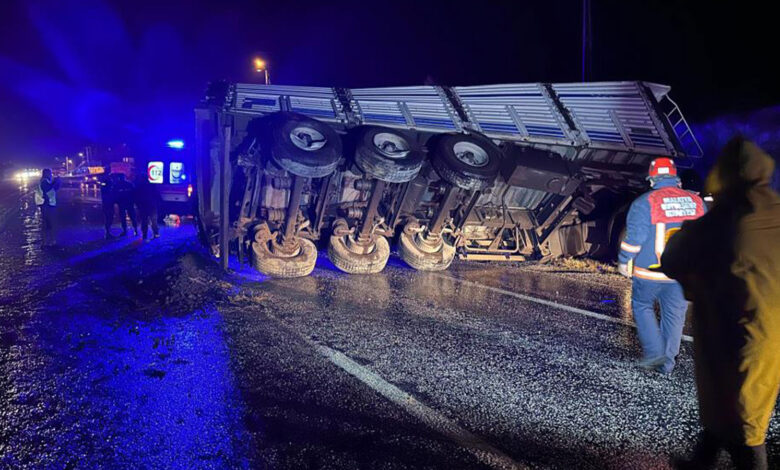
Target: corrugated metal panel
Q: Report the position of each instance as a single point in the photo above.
(416, 107)
(317, 102)
(515, 111)
(615, 115)
(621, 116)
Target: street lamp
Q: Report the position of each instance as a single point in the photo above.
(261, 66)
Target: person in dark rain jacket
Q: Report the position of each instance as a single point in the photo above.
(107, 200)
(651, 218)
(146, 198)
(728, 263)
(123, 193)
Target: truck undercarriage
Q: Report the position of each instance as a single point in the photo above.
(499, 172)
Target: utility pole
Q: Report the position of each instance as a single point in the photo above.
(587, 42)
(262, 66)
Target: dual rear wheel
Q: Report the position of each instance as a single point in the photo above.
(306, 149)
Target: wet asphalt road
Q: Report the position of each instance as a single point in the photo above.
(120, 354)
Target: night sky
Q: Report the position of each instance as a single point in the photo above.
(75, 72)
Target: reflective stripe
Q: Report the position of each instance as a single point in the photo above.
(630, 248)
(660, 240)
(51, 195)
(651, 275)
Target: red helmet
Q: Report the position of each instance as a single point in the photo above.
(662, 166)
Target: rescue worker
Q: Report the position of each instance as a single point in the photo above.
(651, 218)
(728, 262)
(107, 201)
(123, 195)
(146, 198)
(46, 200)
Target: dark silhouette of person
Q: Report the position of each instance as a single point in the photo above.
(728, 263)
(107, 201)
(147, 199)
(46, 200)
(123, 195)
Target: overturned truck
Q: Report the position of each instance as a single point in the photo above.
(497, 172)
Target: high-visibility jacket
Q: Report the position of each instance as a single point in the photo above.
(652, 218)
(728, 263)
(46, 193)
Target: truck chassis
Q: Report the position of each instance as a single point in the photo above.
(498, 172)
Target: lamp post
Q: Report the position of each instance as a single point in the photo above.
(261, 66)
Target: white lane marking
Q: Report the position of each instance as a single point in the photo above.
(474, 444)
(548, 303)
(471, 442)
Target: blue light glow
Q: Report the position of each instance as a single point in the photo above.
(176, 144)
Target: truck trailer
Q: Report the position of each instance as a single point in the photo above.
(496, 172)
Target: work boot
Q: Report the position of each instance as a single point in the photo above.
(651, 363)
(749, 457)
(705, 454)
(666, 367)
(109, 235)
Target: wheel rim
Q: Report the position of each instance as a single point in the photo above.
(307, 138)
(391, 145)
(353, 246)
(470, 154)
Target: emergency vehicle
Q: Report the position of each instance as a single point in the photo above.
(171, 169)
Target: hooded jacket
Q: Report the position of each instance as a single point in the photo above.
(728, 263)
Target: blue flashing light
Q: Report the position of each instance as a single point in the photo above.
(176, 144)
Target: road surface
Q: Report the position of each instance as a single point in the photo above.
(124, 354)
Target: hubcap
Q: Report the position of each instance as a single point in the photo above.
(306, 138)
(391, 145)
(470, 154)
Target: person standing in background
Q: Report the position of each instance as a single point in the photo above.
(652, 217)
(107, 200)
(147, 199)
(123, 195)
(46, 200)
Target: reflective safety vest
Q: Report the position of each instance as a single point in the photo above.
(41, 198)
(653, 218)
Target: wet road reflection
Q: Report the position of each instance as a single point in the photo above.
(123, 354)
(108, 358)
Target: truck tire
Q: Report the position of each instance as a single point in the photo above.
(387, 154)
(299, 265)
(301, 145)
(468, 161)
(422, 260)
(356, 263)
